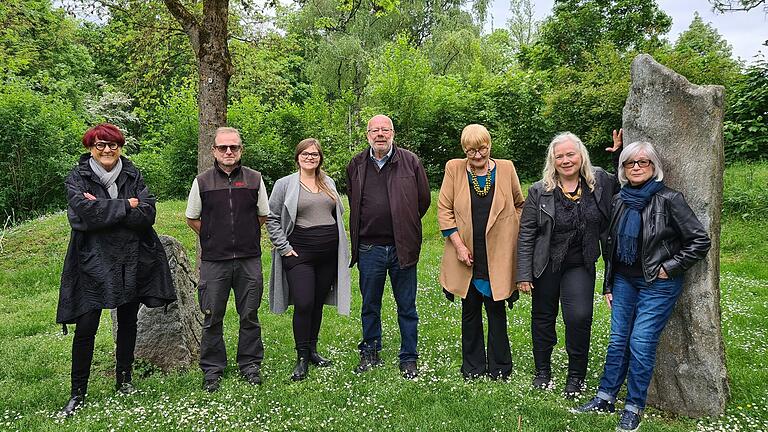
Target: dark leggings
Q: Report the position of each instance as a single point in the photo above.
(85, 335)
(310, 276)
(574, 288)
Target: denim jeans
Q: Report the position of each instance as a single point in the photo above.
(374, 262)
(639, 313)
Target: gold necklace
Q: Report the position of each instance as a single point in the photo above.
(571, 196)
(476, 185)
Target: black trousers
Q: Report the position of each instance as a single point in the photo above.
(83, 342)
(217, 278)
(498, 361)
(310, 276)
(574, 288)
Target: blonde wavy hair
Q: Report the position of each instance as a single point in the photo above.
(549, 174)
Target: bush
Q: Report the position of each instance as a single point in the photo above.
(40, 140)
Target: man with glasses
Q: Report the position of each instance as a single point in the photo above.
(227, 205)
(388, 196)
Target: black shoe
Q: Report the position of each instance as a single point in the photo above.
(542, 380)
(211, 385)
(318, 360)
(597, 405)
(252, 374)
(368, 361)
(629, 422)
(573, 387)
(126, 388)
(301, 368)
(409, 369)
(75, 402)
(123, 383)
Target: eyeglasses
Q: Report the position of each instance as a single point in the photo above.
(234, 148)
(384, 130)
(642, 163)
(309, 155)
(473, 152)
(101, 145)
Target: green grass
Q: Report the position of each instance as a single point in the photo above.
(35, 357)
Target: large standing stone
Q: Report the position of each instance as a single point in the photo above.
(685, 123)
(171, 340)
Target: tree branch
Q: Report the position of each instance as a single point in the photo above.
(187, 20)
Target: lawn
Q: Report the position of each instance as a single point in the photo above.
(35, 357)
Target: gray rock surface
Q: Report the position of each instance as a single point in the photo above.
(171, 340)
(685, 123)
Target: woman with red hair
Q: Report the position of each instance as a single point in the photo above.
(114, 260)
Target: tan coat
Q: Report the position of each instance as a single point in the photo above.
(454, 211)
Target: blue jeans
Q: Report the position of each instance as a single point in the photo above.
(639, 313)
(374, 262)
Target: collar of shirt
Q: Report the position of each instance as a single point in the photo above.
(380, 163)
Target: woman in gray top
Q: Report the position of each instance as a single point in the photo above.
(310, 254)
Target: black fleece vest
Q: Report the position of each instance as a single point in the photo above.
(230, 215)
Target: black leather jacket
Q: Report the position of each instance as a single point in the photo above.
(672, 237)
(538, 219)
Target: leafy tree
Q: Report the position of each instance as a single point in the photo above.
(577, 27)
(39, 143)
(523, 28)
(702, 55)
(39, 45)
(746, 125)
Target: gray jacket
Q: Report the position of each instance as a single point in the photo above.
(283, 203)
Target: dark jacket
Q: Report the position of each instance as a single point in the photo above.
(409, 199)
(538, 220)
(672, 237)
(114, 255)
(229, 226)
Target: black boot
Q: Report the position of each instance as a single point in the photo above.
(318, 360)
(74, 403)
(302, 366)
(123, 383)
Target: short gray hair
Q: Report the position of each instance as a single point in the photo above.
(631, 151)
(226, 129)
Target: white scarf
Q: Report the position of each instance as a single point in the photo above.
(107, 178)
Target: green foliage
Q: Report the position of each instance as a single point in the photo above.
(578, 27)
(702, 56)
(746, 125)
(168, 157)
(39, 143)
(39, 45)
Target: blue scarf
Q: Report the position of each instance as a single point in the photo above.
(629, 225)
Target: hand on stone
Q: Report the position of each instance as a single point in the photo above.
(618, 138)
(609, 300)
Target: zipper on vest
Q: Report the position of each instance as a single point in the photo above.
(232, 216)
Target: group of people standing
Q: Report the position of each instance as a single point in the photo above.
(498, 244)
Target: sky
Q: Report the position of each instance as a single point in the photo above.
(744, 31)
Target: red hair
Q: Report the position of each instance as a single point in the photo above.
(104, 132)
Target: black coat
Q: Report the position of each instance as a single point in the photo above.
(114, 255)
(538, 220)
